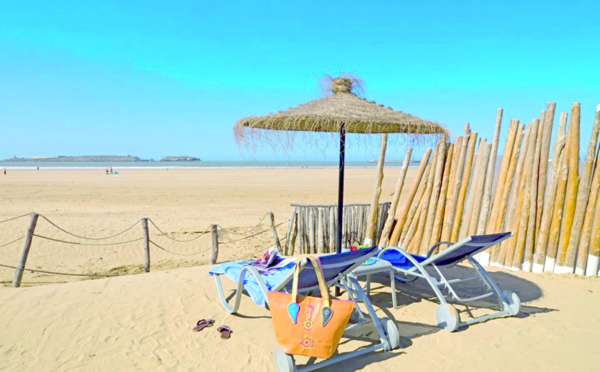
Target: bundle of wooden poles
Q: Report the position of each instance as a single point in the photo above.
(548, 200)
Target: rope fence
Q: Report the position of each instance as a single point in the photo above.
(87, 237)
(253, 235)
(12, 241)
(88, 244)
(148, 241)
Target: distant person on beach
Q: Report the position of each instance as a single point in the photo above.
(107, 171)
(5, 171)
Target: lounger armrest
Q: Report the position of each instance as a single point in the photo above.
(432, 249)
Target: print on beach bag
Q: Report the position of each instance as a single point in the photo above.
(305, 325)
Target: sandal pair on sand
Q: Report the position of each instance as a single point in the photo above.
(203, 323)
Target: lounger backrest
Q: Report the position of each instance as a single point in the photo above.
(466, 247)
(333, 266)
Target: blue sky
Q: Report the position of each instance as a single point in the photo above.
(171, 78)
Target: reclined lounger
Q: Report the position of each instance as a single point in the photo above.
(413, 267)
(335, 269)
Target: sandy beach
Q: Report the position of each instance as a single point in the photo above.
(180, 202)
(143, 322)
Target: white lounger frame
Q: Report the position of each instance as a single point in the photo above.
(446, 316)
(389, 337)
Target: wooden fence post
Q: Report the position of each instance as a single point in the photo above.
(215, 244)
(146, 245)
(274, 230)
(23, 260)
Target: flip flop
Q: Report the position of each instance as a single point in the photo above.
(225, 332)
(203, 323)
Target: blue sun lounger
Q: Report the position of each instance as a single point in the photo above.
(336, 267)
(411, 267)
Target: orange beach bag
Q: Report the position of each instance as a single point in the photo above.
(310, 326)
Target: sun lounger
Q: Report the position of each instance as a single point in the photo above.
(411, 267)
(336, 268)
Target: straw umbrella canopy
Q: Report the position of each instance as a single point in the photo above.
(341, 112)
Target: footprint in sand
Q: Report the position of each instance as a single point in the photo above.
(29, 358)
(110, 340)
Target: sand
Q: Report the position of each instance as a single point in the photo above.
(143, 322)
(180, 202)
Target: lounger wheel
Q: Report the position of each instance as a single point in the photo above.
(513, 302)
(391, 329)
(284, 362)
(447, 317)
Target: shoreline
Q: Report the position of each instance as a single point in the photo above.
(33, 168)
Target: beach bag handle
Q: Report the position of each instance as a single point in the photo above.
(325, 309)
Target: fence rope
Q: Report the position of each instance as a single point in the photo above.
(177, 253)
(14, 218)
(253, 235)
(16, 240)
(207, 230)
(247, 231)
(92, 244)
(58, 273)
(87, 237)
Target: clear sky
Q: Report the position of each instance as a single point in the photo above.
(156, 78)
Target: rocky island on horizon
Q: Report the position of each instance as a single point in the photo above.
(180, 158)
(98, 158)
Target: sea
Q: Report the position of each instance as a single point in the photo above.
(33, 165)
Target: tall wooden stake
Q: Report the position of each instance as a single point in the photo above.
(509, 200)
(387, 228)
(592, 267)
(582, 200)
(526, 201)
(458, 160)
(531, 230)
(463, 188)
(435, 193)
(550, 198)
(401, 215)
(473, 194)
(439, 214)
(547, 135)
(559, 203)
(571, 196)
(506, 159)
(372, 221)
(426, 200)
(486, 201)
(508, 247)
(479, 188)
(586, 231)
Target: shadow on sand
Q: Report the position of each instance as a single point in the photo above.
(419, 290)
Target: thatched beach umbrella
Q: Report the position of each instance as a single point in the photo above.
(341, 112)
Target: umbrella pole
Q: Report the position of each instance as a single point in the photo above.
(341, 187)
(341, 193)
